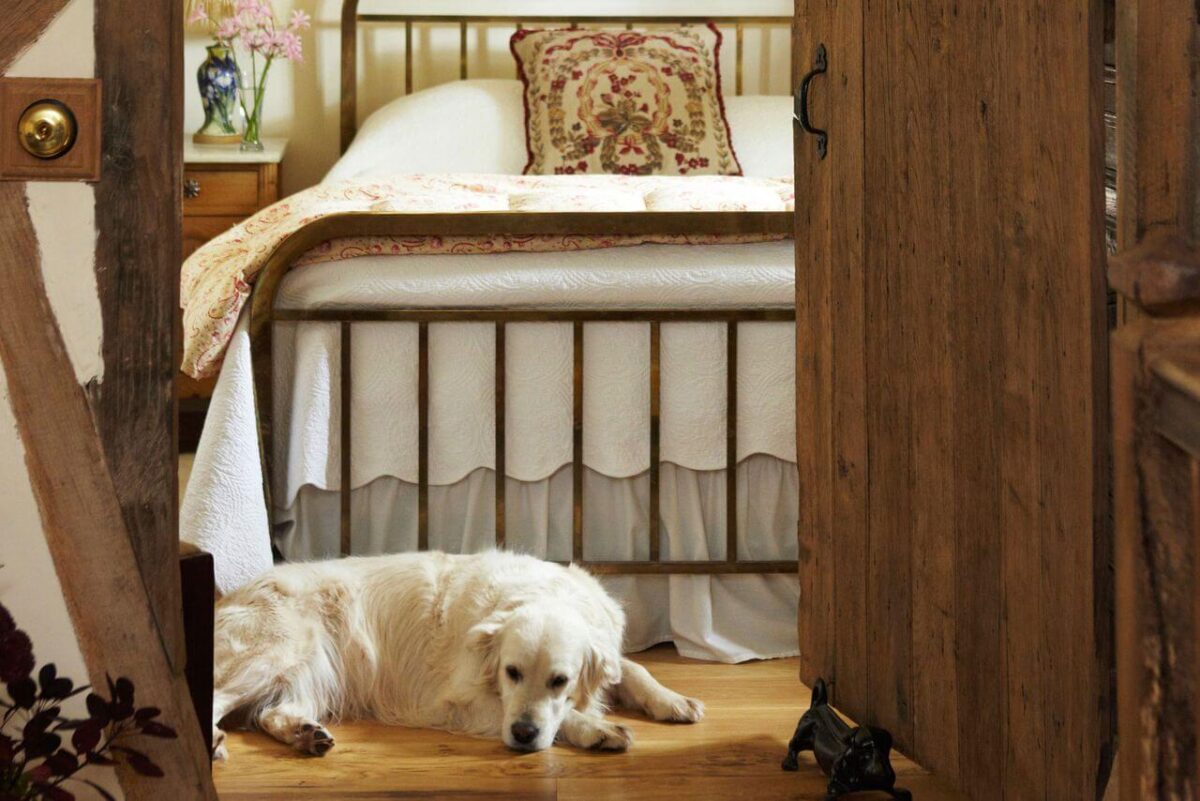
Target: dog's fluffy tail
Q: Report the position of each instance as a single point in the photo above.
(820, 696)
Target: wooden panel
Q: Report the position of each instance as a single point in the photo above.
(82, 97)
(222, 191)
(970, 236)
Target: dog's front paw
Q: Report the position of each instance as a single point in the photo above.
(678, 708)
(313, 738)
(595, 734)
(611, 737)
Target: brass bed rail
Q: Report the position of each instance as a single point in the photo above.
(351, 18)
(264, 315)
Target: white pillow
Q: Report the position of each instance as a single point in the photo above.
(478, 126)
(475, 126)
(762, 134)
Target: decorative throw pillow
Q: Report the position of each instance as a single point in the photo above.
(628, 102)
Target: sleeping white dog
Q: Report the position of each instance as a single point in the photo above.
(493, 644)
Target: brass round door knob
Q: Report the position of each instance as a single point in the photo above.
(47, 129)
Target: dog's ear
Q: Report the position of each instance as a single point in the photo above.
(482, 640)
(601, 668)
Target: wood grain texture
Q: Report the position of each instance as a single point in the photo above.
(831, 370)
(1156, 400)
(1156, 570)
(734, 753)
(24, 22)
(1158, 118)
(952, 386)
(137, 274)
(115, 620)
(1158, 221)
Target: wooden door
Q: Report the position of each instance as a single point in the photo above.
(952, 407)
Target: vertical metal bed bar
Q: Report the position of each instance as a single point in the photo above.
(423, 436)
(577, 449)
(408, 57)
(731, 400)
(501, 481)
(655, 405)
(347, 357)
(462, 50)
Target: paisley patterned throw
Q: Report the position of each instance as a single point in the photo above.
(624, 102)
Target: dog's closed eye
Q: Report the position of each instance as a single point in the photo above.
(513, 673)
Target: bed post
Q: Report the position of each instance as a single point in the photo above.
(349, 71)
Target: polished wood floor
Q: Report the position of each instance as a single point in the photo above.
(734, 753)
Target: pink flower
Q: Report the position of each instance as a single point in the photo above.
(299, 21)
(228, 30)
(197, 16)
(293, 48)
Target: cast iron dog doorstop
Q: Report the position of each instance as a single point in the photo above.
(856, 760)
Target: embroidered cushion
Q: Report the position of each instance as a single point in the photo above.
(627, 102)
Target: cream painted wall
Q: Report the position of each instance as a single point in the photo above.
(302, 99)
(64, 218)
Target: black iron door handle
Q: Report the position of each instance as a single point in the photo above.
(820, 67)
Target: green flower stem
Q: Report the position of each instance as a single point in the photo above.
(253, 120)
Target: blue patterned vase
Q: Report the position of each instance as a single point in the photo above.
(218, 79)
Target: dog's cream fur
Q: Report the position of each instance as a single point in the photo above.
(492, 644)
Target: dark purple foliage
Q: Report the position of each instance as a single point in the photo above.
(35, 764)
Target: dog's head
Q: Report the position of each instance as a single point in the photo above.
(544, 661)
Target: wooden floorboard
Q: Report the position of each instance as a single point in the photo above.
(734, 753)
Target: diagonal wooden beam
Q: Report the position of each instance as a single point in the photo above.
(24, 21)
(81, 517)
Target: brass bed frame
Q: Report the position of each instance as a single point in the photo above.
(263, 315)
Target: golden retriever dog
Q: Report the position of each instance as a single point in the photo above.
(491, 645)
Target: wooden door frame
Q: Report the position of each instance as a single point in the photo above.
(102, 465)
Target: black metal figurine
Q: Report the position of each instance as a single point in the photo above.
(855, 760)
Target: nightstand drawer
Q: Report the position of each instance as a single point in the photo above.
(215, 192)
(198, 230)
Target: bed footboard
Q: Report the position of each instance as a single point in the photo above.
(264, 315)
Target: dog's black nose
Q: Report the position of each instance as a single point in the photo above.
(524, 732)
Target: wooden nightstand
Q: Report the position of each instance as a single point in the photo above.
(221, 187)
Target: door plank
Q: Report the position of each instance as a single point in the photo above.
(830, 377)
(813, 378)
(887, 148)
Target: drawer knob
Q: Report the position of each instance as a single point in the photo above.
(191, 188)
